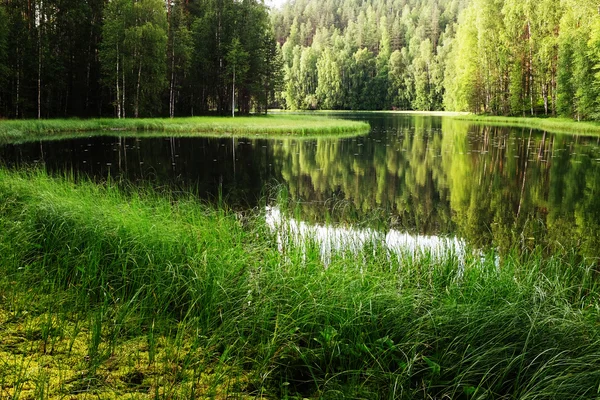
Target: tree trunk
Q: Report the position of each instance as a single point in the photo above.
(233, 95)
(117, 82)
(137, 91)
(172, 88)
(530, 67)
(39, 80)
(545, 96)
(18, 83)
(123, 87)
(87, 76)
(172, 83)
(553, 84)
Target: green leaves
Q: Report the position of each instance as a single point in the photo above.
(133, 55)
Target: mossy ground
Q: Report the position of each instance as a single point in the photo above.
(46, 355)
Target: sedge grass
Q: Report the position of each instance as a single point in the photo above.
(553, 125)
(166, 298)
(271, 125)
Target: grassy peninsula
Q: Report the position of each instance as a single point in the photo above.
(264, 125)
(549, 124)
(111, 295)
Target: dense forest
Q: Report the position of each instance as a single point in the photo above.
(126, 58)
(374, 54)
(129, 58)
(508, 57)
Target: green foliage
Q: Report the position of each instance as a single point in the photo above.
(217, 25)
(354, 44)
(526, 58)
(30, 130)
(63, 58)
(180, 50)
(196, 291)
(329, 90)
(133, 55)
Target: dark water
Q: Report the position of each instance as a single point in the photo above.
(423, 175)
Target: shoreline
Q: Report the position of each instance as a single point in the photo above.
(260, 126)
(549, 124)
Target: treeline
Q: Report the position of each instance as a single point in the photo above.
(374, 54)
(125, 58)
(526, 58)
(506, 57)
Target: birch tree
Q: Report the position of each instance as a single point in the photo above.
(133, 55)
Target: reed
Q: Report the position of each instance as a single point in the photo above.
(132, 292)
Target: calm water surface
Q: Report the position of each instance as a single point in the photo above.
(426, 176)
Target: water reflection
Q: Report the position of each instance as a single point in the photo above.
(334, 240)
(426, 176)
(233, 168)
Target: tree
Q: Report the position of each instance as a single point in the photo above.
(112, 51)
(180, 49)
(133, 54)
(4, 65)
(273, 72)
(146, 42)
(237, 65)
(329, 88)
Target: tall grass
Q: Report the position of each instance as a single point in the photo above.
(554, 125)
(212, 304)
(301, 125)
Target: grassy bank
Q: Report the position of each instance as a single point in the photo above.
(554, 125)
(24, 130)
(142, 296)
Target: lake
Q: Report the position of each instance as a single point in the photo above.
(424, 176)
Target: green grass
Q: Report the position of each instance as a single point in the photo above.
(278, 125)
(554, 125)
(141, 295)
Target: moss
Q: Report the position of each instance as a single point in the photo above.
(58, 365)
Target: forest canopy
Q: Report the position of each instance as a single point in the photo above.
(129, 58)
(508, 57)
(126, 58)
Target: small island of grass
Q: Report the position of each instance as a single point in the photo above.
(267, 125)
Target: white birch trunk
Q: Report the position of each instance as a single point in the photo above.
(172, 88)
(123, 87)
(137, 93)
(39, 80)
(118, 91)
(18, 83)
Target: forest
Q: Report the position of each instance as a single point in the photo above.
(505, 57)
(123, 58)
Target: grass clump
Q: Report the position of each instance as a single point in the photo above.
(554, 125)
(271, 125)
(168, 298)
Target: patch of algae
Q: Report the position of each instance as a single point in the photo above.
(45, 355)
